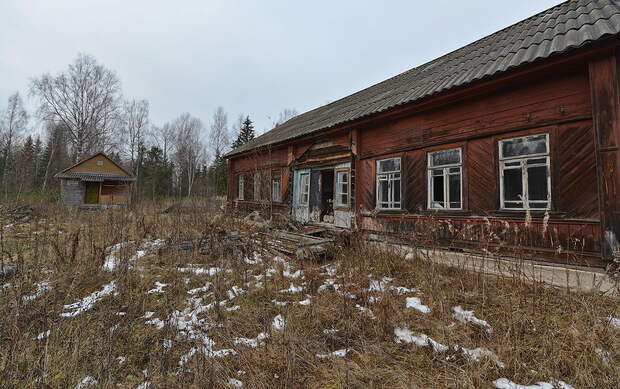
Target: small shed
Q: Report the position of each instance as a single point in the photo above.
(95, 181)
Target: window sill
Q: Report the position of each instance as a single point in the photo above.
(522, 213)
(445, 212)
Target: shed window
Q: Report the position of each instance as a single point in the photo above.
(240, 187)
(100, 162)
(388, 183)
(444, 179)
(304, 188)
(275, 189)
(525, 180)
(342, 188)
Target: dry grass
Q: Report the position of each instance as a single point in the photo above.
(539, 333)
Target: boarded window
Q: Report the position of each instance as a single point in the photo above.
(444, 179)
(525, 180)
(388, 184)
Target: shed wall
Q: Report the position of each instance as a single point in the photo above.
(72, 192)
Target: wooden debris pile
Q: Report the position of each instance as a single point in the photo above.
(302, 246)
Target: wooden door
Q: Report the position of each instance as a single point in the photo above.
(91, 195)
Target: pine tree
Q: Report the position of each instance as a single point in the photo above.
(246, 133)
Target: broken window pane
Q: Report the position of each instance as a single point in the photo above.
(528, 145)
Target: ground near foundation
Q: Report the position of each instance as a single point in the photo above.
(137, 298)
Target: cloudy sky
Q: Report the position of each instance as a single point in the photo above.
(252, 57)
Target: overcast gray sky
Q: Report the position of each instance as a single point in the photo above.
(253, 57)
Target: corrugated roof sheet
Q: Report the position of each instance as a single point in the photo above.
(95, 177)
(566, 26)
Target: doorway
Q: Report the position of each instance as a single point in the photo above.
(91, 195)
(327, 196)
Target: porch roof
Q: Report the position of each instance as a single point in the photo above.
(95, 177)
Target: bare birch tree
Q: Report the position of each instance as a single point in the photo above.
(164, 138)
(135, 121)
(189, 149)
(13, 123)
(219, 138)
(85, 99)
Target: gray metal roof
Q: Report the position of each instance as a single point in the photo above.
(566, 26)
(95, 177)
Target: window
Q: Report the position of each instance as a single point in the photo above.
(388, 183)
(342, 188)
(100, 162)
(444, 179)
(257, 186)
(304, 188)
(240, 187)
(525, 179)
(275, 189)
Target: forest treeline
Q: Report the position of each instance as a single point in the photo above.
(82, 111)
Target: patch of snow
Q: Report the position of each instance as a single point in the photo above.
(199, 270)
(330, 270)
(235, 382)
(120, 313)
(327, 283)
(415, 303)
(505, 383)
(159, 287)
(338, 353)
(604, 355)
(257, 259)
(157, 323)
(233, 308)
(201, 289)
(409, 256)
(330, 331)
(252, 342)
(167, 343)
(400, 290)
(379, 285)
(89, 301)
(468, 316)
(365, 310)
(41, 288)
(148, 314)
(614, 321)
(278, 322)
(86, 382)
(234, 292)
(144, 385)
(279, 303)
(292, 289)
(43, 335)
(112, 260)
(304, 302)
(404, 335)
(477, 353)
(121, 359)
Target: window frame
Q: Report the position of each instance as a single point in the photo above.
(446, 183)
(389, 176)
(276, 195)
(304, 191)
(337, 187)
(257, 196)
(241, 187)
(522, 159)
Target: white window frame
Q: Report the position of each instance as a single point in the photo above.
(446, 182)
(390, 177)
(240, 187)
(338, 186)
(275, 192)
(304, 189)
(522, 159)
(257, 186)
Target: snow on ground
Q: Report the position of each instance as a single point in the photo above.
(379, 285)
(41, 288)
(159, 287)
(145, 385)
(404, 335)
(468, 316)
(505, 383)
(87, 382)
(338, 353)
(278, 323)
(235, 291)
(43, 335)
(614, 321)
(235, 382)
(112, 260)
(257, 258)
(195, 269)
(292, 289)
(415, 303)
(252, 342)
(365, 310)
(204, 288)
(604, 355)
(89, 301)
(305, 302)
(477, 353)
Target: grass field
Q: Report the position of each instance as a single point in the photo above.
(108, 299)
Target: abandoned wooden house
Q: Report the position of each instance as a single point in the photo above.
(94, 182)
(511, 142)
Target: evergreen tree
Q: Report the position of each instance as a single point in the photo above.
(246, 133)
